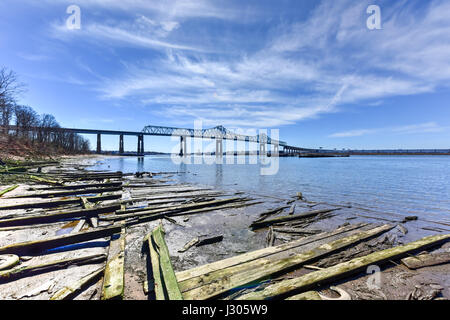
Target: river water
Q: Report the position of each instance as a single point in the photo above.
(391, 185)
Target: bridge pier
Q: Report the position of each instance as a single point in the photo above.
(140, 147)
(183, 146)
(99, 143)
(276, 149)
(219, 147)
(262, 149)
(121, 148)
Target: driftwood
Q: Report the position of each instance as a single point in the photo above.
(215, 283)
(8, 261)
(38, 246)
(209, 240)
(265, 223)
(54, 217)
(68, 193)
(83, 186)
(426, 260)
(5, 191)
(292, 210)
(162, 259)
(303, 283)
(74, 289)
(22, 272)
(146, 218)
(114, 276)
(57, 203)
(271, 212)
(253, 255)
(172, 210)
(190, 244)
(156, 269)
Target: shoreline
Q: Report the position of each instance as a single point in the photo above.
(237, 238)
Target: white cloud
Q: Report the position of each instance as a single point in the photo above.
(300, 71)
(427, 127)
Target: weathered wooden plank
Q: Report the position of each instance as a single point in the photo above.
(22, 272)
(190, 244)
(5, 191)
(170, 280)
(75, 288)
(83, 186)
(114, 276)
(156, 269)
(57, 203)
(261, 253)
(38, 246)
(54, 217)
(175, 209)
(221, 281)
(306, 282)
(265, 223)
(68, 193)
(426, 260)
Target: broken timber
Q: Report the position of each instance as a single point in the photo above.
(221, 281)
(265, 223)
(165, 277)
(68, 193)
(306, 282)
(73, 289)
(426, 260)
(261, 253)
(114, 278)
(54, 217)
(22, 272)
(57, 203)
(33, 247)
(5, 191)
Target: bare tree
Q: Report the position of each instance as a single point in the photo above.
(10, 89)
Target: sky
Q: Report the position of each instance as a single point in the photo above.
(311, 69)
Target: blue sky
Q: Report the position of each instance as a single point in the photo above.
(311, 69)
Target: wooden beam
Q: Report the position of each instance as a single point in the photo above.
(22, 272)
(306, 282)
(221, 281)
(114, 278)
(57, 203)
(68, 193)
(38, 246)
(75, 288)
(54, 217)
(261, 253)
(265, 223)
(5, 191)
(165, 265)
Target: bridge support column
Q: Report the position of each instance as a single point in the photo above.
(219, 147)
(140, 147)
(262, 149)
(99, 143)
(183, 146)
(121, 148)
(276, 149)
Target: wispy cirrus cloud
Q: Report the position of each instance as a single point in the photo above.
(300, 69)
(428, 127)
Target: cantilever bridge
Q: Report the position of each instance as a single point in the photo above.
(218, 133)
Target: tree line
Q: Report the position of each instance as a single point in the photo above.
(24, 118)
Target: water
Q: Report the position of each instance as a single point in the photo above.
(393, 185)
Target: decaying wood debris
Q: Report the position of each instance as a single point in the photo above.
(97, 211)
